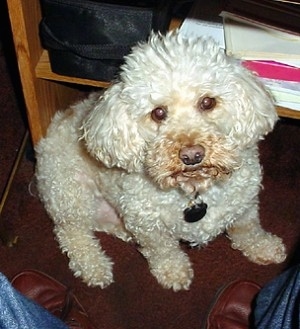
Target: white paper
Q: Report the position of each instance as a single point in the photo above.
(197, 27)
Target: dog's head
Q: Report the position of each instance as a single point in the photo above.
(182, 111)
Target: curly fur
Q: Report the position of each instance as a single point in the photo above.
(107, 165)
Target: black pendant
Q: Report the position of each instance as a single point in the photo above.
(195, 213)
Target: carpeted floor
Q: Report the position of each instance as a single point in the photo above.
(135, 300)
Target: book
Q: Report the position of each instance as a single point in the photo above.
(282, 14)
(249, 39)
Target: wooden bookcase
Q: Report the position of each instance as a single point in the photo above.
(44, 91)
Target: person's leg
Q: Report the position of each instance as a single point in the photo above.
(19, 312)
(242, 304)
(278, 303)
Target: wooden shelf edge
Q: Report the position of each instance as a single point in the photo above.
(43, 71)
(288, 113)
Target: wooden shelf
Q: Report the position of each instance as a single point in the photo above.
(44, 91)
(288, 113)
(43, 71)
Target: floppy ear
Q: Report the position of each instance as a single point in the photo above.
(111, 132)
(255, 113)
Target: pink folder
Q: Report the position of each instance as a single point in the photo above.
(273, 70)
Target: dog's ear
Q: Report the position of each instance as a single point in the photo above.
(255, 112)
(111, 132)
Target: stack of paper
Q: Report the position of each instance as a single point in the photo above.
(272, 51)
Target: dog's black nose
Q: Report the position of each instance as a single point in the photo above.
(191, 155)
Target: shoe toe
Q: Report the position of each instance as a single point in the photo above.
(233, 306)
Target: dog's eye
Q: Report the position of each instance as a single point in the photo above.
(207, 103)
(159, 114)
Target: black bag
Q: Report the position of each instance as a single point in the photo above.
(88, 39)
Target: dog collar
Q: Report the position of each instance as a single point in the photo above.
(196, 209)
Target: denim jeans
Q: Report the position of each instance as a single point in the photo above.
(278, 303)
(19, 312)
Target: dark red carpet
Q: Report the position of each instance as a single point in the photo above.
(135, 300)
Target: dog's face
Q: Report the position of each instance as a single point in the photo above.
(182, 112)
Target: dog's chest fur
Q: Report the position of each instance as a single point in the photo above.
(148, 206)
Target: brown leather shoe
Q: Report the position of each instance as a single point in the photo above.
(53, 296)
(232, 308)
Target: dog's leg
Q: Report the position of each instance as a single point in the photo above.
(259, 246)
(87, 259)
(167, 261)
(169, 264)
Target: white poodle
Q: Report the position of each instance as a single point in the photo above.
(167, 153)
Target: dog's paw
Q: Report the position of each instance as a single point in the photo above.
(264, 250)
(95, 272)
(173, 272)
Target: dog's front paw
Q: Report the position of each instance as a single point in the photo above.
(265, 249)
(173, 271)
(94, 271)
